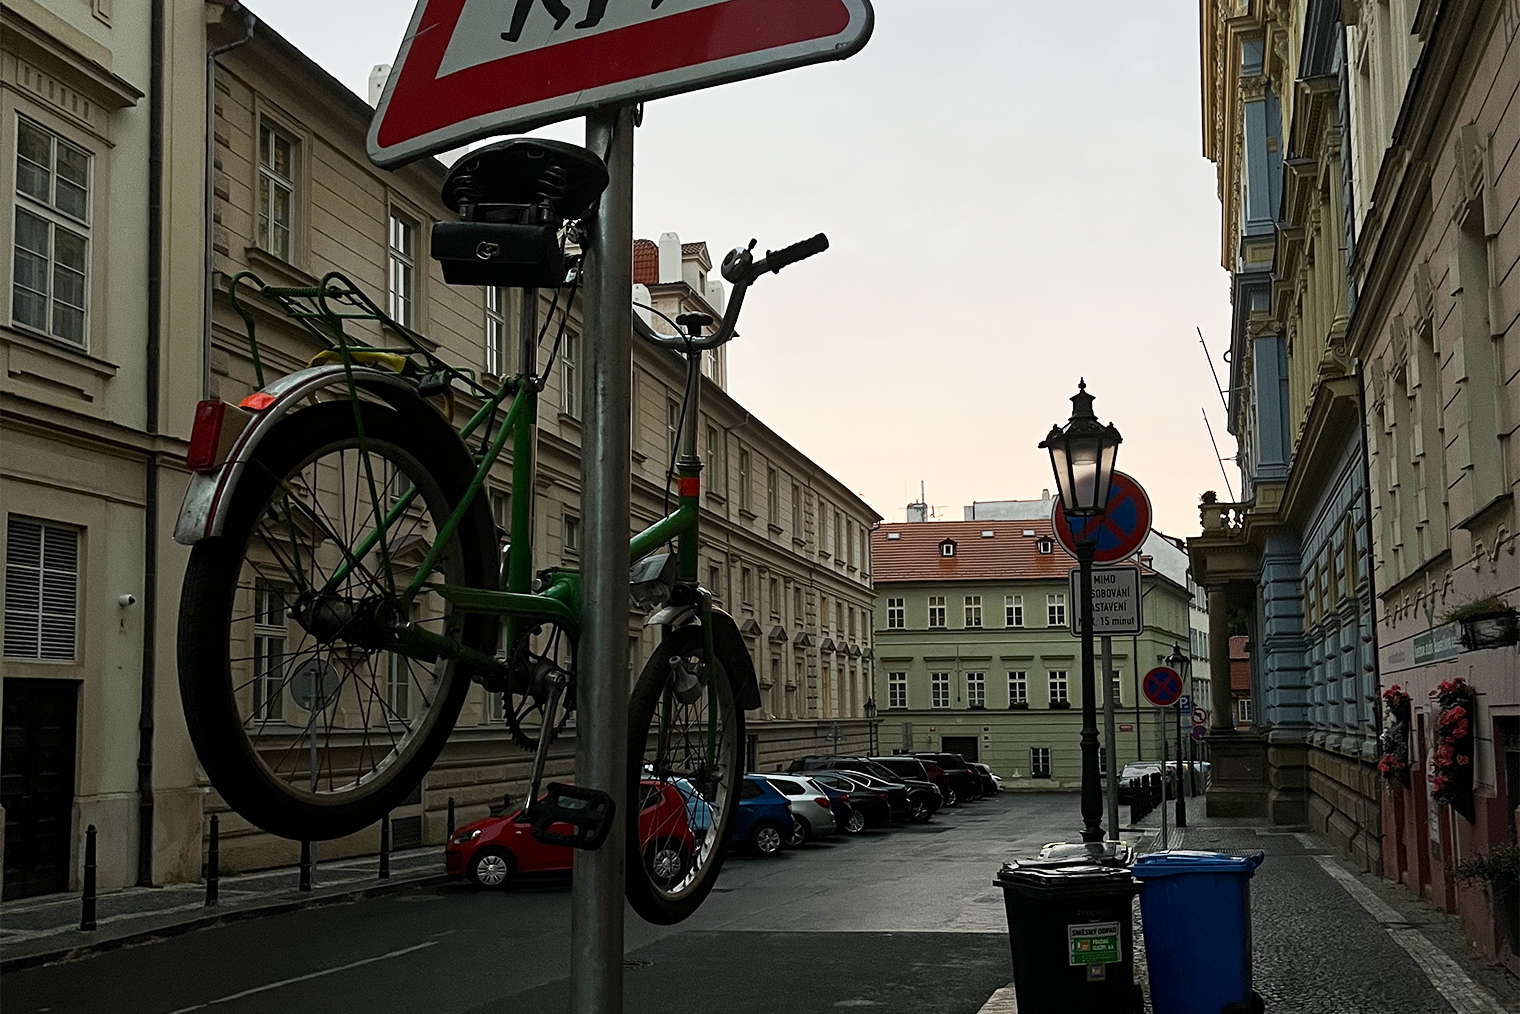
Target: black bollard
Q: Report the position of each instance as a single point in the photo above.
(213, 862)
(385, 847)
(305, 882)
(451, 816)
(87, 909)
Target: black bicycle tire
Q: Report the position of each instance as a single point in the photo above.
(653, 906)
(211, 714)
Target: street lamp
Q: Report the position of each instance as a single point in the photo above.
(1082, 457)
(871, 728)
(1184, 667)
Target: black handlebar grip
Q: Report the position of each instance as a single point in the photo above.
(775, 260)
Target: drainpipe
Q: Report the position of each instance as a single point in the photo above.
(249, 21)
(1372, 598)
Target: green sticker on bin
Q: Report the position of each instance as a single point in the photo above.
(1093, 943)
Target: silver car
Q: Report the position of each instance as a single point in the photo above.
(812, 814)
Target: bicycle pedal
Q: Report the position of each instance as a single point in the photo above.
(587, 812)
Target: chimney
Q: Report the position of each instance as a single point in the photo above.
(377, 79)
(1045, 495)
(642, 297)
(670, 258)
(918, 513)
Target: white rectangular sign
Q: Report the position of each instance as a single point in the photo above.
(1115, 601)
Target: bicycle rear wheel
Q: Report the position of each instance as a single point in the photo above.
(306, 723)
(692, 745)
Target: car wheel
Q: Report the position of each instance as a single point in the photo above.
(766, 838)
(492, 868)
(799, 833)
(951, 798)
(921, 812)
(856, 822)
(667, 861)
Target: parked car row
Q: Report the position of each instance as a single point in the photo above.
(820, 795)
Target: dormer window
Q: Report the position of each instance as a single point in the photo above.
(947, 548)
(1045, 546)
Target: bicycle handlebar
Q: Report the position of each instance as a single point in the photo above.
(740, 268)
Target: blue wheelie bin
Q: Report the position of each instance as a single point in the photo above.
(1196, 916)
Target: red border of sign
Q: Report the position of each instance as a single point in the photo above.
(421, 113)
(1061, 526)
(1147, 690)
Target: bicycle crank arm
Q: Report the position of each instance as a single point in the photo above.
(426, 646)
(541, 756)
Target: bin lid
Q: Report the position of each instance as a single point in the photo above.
(1106, 853)
(1055, 878)
(1169, 863)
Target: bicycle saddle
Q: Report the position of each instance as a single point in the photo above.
(527, 171)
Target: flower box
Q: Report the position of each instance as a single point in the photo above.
(1496, 631)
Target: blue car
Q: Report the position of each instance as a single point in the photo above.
(764, 817)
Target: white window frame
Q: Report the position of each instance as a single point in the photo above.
(772, 495)
(1243, 711)
(744, 467)
(1018, 687)
(402, 232)
(1013, 610)
(1039, 762)
(1059, 685)
(895, 614)
(496, 330)
(398, 689)
(976, 690)
(1055, 609)
(937, 611)
(973, 612)
(38, 619)
(271, 183)
(570, 534)
(897, 690)
(939, 689)
(54, 218)
(269, 640)
(570, 373)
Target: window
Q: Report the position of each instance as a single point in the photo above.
(496, 330)
(973, 610)
(571, 534)
(570, 355)
(852, 621)
(976, 690)
(1039, 762)
(1058, 686)
(715, 581)
(774, 586)
(398, 688)
(746, 584)
(947, 548)
(403, 269)
(672, 427)
(936, 610)
(712, 457)
(498, 707)
(772, 496)
(839, 550)
(744, 480)
(1018, 688)
(1243, 710)
(939, 689)
(1055, 610)
(277, 191)
(838, 617)
(897, 690)
(894, 614)
(796, 510)
(1013, 610)
(41, 591)
(51, 256)
(850, 540)
(775, 669)
(797, 604)
(501, 512)
(269, 652)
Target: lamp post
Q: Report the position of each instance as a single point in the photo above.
(871, 726)
(1082, 456)
(1184, 666)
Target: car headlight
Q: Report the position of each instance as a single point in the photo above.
(466, 836)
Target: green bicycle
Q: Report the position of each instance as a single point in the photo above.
(348, 582)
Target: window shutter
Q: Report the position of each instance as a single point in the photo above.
(41, 591)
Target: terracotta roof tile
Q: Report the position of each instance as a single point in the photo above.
(646, 262)
(1240, 663)
(1008, 555)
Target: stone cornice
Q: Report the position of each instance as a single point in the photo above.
(1333, 415)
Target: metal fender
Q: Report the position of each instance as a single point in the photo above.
(201, 515)
(729, 645)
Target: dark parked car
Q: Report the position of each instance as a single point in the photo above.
(868, 807)
(909, 769)
(924, 797)
(965, 784)
(989, 784)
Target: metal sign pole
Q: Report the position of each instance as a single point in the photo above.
(601, 751)
(1161, 719)
(1109, 742)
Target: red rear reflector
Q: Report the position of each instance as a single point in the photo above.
(206, 436)
(822, 801)
(257, 402)
(845, 798)
(688, 485)
(883, 796)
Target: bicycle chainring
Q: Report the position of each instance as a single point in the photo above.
(530, 682)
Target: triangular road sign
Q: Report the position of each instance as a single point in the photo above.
(473, 68)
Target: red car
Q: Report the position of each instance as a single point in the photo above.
(494, 850)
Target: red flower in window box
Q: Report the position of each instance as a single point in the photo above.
(1451, 760)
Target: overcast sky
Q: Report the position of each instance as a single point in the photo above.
(1016, 198)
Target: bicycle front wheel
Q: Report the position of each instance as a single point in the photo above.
(684, 733)
(306, 721)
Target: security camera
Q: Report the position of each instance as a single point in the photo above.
(126, 600)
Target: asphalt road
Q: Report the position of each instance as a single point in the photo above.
(897, 921)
